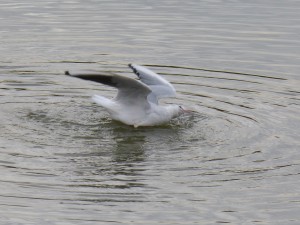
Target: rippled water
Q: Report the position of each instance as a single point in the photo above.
(236, 161)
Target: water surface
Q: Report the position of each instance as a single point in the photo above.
(236, 161)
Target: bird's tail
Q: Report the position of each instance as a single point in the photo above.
(102, 101)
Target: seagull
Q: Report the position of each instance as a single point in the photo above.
(136, 103)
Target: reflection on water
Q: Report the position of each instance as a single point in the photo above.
(64, 161)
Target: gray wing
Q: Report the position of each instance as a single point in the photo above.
(159, 86)
(130, 91)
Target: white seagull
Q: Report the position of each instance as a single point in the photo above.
(137, 100)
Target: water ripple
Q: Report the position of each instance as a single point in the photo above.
(63, 160)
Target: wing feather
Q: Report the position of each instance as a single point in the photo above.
(130, 91)
(159, 86)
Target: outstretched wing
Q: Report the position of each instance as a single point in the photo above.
(130, 91)
(159, 86)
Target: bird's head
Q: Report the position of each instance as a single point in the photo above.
(183, 110)
(178, 110)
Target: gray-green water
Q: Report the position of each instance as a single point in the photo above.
(63, 161)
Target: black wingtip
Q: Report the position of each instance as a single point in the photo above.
(134, 69)
(67, 73)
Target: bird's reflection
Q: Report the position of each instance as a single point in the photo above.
(112, 150)
(129, 149)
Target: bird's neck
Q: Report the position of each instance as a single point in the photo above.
(172, 111)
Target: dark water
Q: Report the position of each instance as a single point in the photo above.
(63, 161)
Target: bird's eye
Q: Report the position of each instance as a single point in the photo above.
(180, 107)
